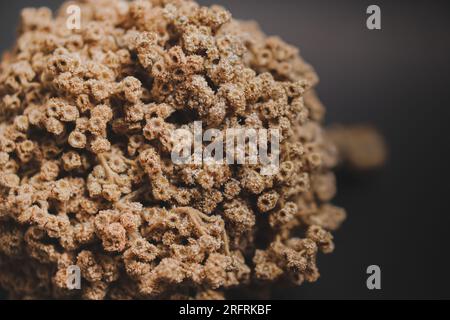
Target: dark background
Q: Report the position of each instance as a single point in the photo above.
(396, 79)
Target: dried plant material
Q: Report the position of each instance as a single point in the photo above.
(86, 177)
(360, 147)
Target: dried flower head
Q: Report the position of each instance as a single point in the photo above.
(85, 171)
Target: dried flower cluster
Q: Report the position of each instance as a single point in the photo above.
(86, 176)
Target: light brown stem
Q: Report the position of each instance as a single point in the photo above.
(110, 174)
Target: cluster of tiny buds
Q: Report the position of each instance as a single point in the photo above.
(86, 176)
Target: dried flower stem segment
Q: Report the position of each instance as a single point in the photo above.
(86, 175)
(361, 147)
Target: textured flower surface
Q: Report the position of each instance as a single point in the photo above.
(86, 176)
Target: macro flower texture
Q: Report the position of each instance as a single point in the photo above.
(86, 175)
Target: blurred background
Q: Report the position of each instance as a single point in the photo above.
(396, 79)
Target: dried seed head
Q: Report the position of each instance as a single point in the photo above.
(86, 176)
